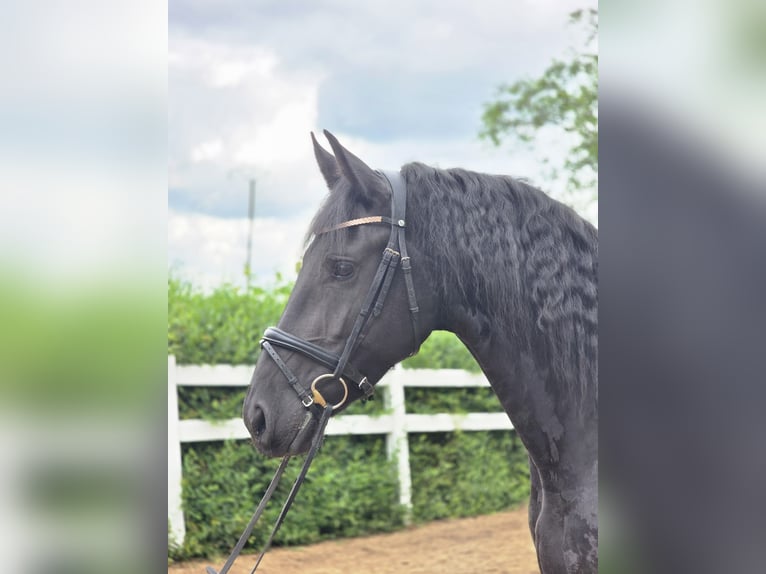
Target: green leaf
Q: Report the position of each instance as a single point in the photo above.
(564, 97)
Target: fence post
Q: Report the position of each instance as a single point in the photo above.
(175, 512)
(397, 444)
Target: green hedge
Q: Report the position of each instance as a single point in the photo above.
(352, 487)
(466, 473)
(223, 326)
(350, 490)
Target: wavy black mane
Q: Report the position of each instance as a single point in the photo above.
(516, 256)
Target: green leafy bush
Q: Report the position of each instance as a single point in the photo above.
(352, 488)
(450, 473)
(223, 326)
(442, 350)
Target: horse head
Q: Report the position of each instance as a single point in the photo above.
(353, 313)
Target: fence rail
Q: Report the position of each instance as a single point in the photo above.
(395, 424)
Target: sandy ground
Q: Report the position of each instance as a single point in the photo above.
(494, 544)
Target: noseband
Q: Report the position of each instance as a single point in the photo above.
(340, 368)
(338, 365)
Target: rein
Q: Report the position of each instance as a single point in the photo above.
(315, 443)
(341, 369)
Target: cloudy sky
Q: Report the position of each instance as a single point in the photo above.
(396, 81)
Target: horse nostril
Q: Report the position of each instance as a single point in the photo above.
(258, 421)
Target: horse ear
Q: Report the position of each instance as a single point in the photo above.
(362, 177)
(327, 164)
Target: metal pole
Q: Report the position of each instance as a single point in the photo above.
(251, 217)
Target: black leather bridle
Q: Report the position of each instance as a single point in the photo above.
(340, 369)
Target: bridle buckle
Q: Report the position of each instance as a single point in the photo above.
(319, 399)
(367, 388)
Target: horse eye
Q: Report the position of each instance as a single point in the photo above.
(343, 269)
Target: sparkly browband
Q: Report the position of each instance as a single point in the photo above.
(355, 222)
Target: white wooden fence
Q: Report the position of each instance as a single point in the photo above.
(395, 424)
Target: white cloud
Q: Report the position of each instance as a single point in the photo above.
(220, 64)
(246, 92)
(281, 140)
(236, 105)
(211, 250)
(233, 72)
(207, 151)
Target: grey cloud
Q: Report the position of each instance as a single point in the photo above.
(394, 68)
(214, 192)
(397, 81)
(386, 107)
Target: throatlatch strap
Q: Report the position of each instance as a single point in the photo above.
(399, 222)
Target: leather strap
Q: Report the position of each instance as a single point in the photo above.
(399, 223)
(283, 339)
(356, 222)
(389, 276)
(303, 394)
(364, 314)
(256, 515)
(315, 444)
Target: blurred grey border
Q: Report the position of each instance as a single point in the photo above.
(683, 275)
(83, 312)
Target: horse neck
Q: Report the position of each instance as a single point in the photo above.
(515, 276)
(472, 247)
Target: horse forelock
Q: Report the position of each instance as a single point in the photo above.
(337, 206)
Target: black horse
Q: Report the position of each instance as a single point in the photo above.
(510, 271)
